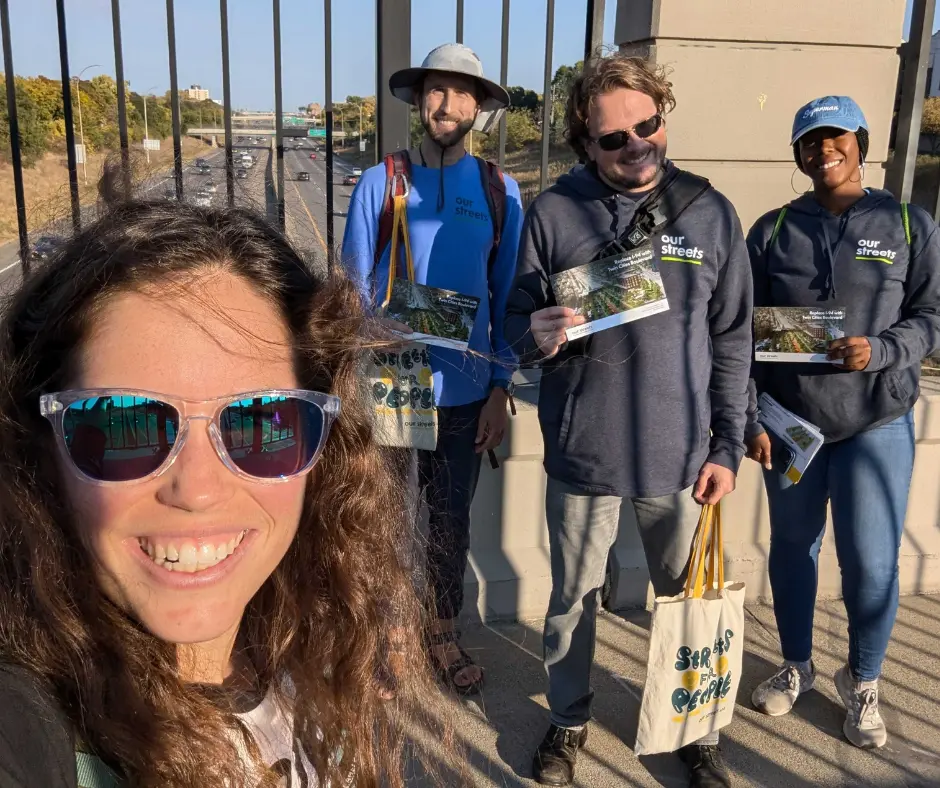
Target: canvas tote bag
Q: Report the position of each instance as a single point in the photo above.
(400, 379)
(696, 650)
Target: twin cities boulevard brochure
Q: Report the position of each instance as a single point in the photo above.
(796, 333)
(437, 317)
(612, 291)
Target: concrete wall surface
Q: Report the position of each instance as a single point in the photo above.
(509, 575)
(741, 68)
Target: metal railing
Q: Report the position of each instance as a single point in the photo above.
(393, 51)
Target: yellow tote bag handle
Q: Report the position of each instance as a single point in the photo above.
(399, 230)
(706, 545)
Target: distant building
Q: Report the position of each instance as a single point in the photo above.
(195, 93)
(933, 67)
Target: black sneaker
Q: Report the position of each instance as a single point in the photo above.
(706, 767)
(554, 760)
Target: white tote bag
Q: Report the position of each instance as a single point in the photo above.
(696, 650)
(400, 379)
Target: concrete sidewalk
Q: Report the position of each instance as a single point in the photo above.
(804, 748)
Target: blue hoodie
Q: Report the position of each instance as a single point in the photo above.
(636, 410)
(890, 290)
(451, 248)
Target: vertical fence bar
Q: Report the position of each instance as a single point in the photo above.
(900, 177)
(459, 21)
(121, 95)
(15, 156)
(547, 94)
(278, 119)
(503, 79)
(328, 112)
(175, 100)
(593, 29)
(227, 107)
(393, 39)
(67, 116)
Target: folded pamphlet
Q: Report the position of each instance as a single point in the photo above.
(612, 291)
(802, 438)
(796, 333)
(437, 317)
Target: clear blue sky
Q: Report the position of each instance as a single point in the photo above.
(199, 58)
(35, 44)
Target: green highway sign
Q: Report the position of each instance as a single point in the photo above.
(316, 132)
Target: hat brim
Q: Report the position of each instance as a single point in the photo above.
(402, 84)
(823, 125)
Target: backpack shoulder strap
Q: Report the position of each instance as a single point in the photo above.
(906, 219)
(397, 179)
(677, 194)
(494, 186)
(777, 225)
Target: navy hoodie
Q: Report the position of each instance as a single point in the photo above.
(891, 293)
(636, 410)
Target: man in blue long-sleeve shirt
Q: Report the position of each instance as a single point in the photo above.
(452, 233)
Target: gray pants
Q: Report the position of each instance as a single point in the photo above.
(582, 528)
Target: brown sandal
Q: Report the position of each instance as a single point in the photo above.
(448, 675)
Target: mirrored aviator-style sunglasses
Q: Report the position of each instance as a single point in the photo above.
(615, 140)
(120, 436)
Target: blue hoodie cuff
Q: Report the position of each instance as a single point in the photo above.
(879, 355)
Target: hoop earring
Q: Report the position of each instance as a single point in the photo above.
(795, 171)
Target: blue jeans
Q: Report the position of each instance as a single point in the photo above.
(866, 478)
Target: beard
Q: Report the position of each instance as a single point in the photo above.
(640, 169)
(449, 138)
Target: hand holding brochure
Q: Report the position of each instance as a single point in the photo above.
(612, 291)
(437, 317)
(801, 437)
(796, 333)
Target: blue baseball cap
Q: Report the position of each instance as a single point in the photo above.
(834, 112)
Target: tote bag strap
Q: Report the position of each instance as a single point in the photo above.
(400, 234)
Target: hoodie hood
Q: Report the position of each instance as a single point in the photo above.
(807, 204)
(582, 181)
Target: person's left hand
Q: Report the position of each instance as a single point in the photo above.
(714, 483)
(856, 352)
(493, 420)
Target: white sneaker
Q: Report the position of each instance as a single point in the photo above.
(863, 724)
(777, 695)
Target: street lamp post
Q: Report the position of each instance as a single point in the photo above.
(146, 129)
(81, 129)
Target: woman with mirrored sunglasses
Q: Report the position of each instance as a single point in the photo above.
(197, 534)
(857, 255)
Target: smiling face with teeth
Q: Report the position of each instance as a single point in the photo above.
(831, 158)
(184, 552)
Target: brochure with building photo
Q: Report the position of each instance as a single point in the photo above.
(612, 291)
(800, 436)
(437, 317)
(796, 333)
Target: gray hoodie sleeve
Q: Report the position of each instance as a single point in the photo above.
(757, 241)
(531, 290)
(917, 334)
(729, 319)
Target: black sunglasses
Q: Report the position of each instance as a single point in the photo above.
(615, 140)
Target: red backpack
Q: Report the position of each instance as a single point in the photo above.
(398, 183)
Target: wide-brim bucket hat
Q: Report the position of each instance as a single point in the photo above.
(452, 59)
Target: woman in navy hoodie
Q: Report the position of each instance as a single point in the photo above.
(847, 246)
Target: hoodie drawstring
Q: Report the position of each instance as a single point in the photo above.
(833, 253)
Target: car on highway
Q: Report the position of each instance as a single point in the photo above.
(202, 200)
(43, 248)
(169, 194)
(303, 176)
(357, 171)
(210, 187)
(205, 169)
(241, 173)
(313, 155)
(350, 179)
(202, 163)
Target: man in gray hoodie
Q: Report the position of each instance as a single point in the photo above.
(651, 412)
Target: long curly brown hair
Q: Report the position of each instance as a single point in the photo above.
(324, 618)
